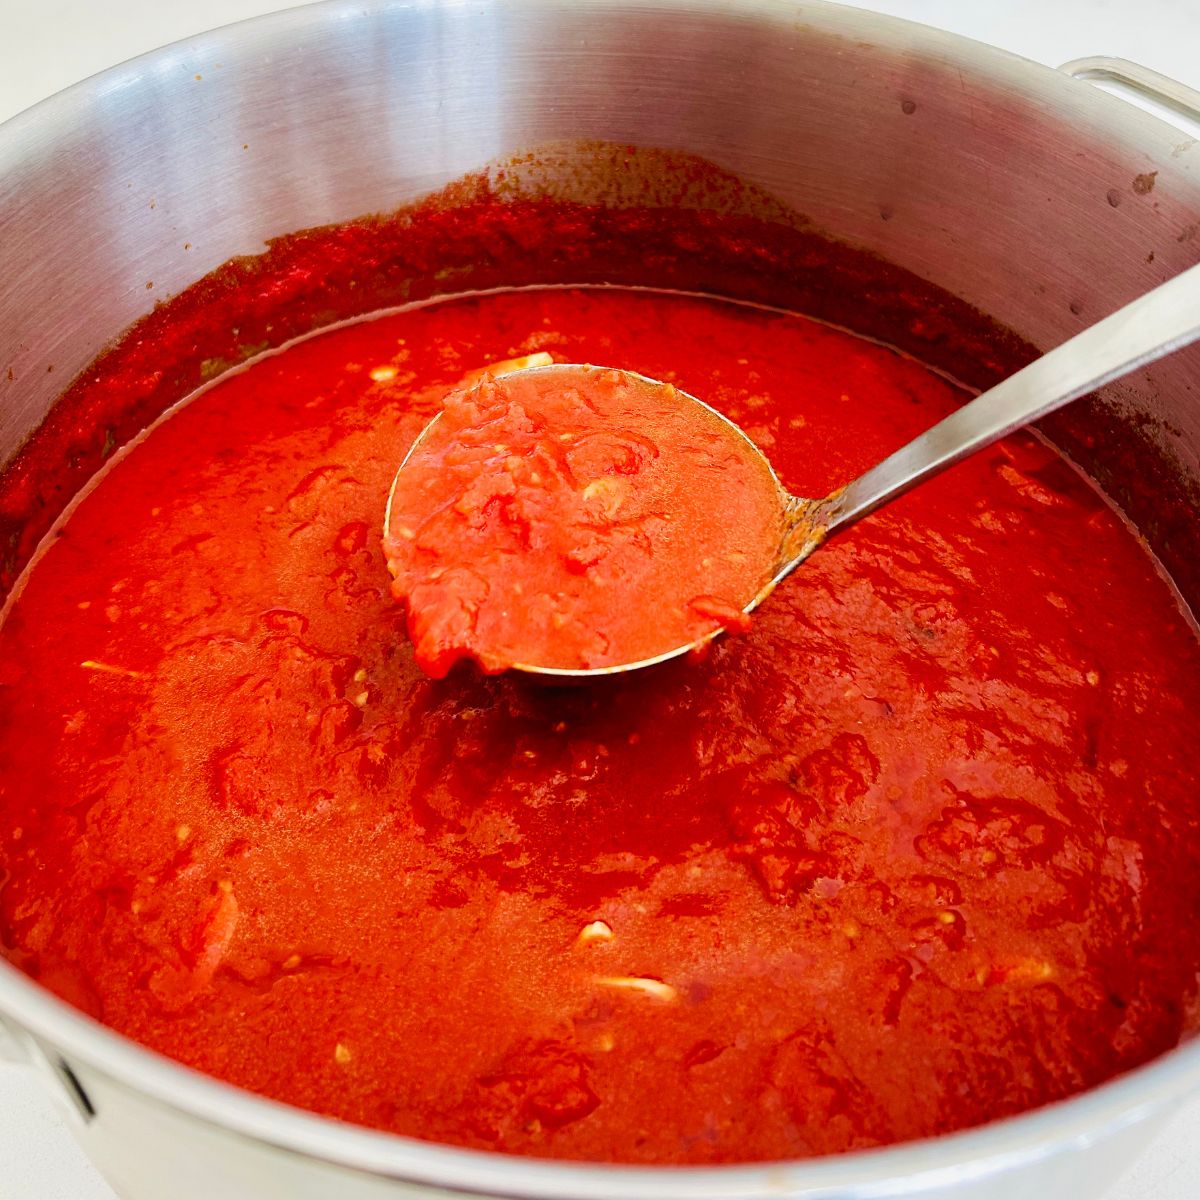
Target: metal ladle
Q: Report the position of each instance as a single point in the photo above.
(1156, 324)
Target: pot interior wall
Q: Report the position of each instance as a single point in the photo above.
(1031, 197)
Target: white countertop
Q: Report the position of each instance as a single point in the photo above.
(46, 45)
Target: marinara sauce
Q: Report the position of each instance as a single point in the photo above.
(918, 850)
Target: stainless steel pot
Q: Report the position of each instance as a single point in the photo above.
(1029, 194)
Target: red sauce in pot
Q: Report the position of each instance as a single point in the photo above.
(577, 518)
(918, 850)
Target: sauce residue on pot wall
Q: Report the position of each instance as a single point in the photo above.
(917, 851)
(593, 212)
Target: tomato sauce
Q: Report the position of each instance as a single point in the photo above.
(918, 850)
(577, 518)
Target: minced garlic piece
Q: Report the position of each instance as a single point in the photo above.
(506, 366)
(640, 983)
(1030, 970)
(597, 931)
(90, 664)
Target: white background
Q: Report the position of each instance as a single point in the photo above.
(47, 44)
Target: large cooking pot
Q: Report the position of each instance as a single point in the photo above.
(1033, 196)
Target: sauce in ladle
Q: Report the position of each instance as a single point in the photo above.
(574, 517)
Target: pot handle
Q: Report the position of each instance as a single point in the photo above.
(1160, 90)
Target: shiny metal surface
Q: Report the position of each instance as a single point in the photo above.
(10, 1050)
(1033, 196)
(1145, 330)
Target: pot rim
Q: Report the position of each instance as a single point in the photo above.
(957, 1157)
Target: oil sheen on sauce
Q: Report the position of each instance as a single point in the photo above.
(918, 850)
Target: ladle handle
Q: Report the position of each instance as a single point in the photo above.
(1164, 320)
